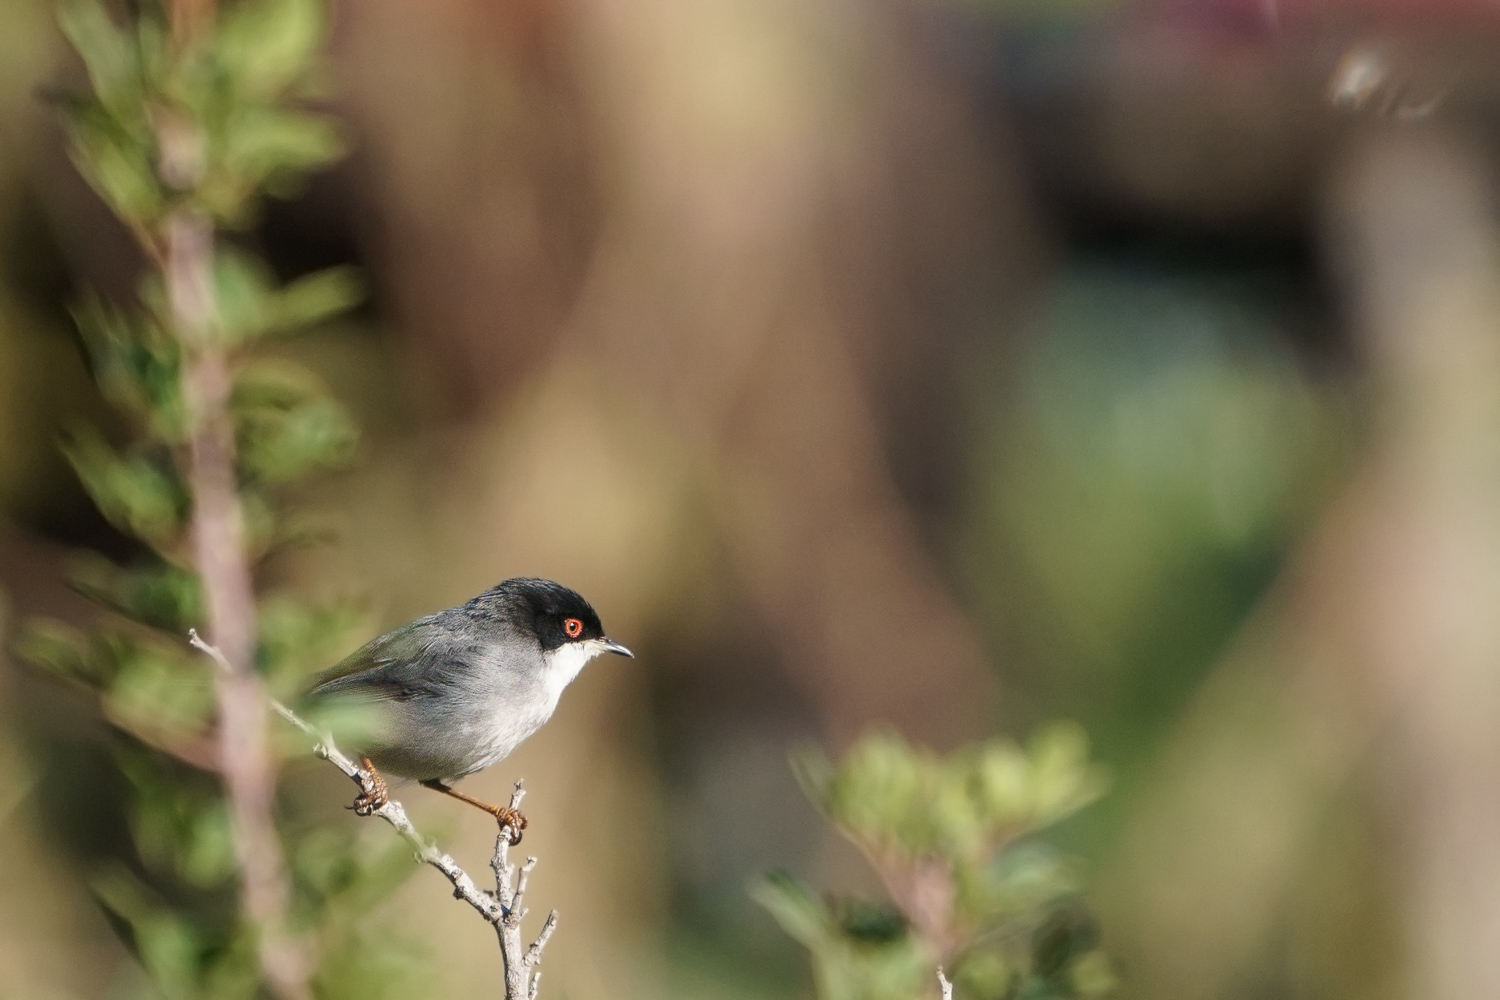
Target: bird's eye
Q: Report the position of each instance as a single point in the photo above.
(573, 627)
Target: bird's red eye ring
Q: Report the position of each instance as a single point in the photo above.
(573, 627)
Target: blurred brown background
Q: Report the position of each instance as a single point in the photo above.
(955, 364)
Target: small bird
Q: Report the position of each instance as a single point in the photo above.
(459, 690)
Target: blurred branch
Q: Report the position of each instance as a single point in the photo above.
(186, 241)
(923, 889)
(937, 830)
(502, 908)
(189, 19)
(189, 119)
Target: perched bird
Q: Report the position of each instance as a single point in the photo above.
(456, 691)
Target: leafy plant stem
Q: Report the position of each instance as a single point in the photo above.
(218, 541)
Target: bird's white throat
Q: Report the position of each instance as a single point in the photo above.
(563, 664)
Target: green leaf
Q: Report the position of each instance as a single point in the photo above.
(245, 288)
(262, 525)
(228, 197)
(107, 51)
(135, 494)
(814, 772)
(60, 649)
(1002, 776)
(274, 146)
(262, 149)
(882, 790)
(157, 687)
(137, 365)
(1063, 781)
(160, 595)
(118, 164)
(168, 945)
(348, 874)
(181, 829)
(298, 639)
(265, 46)
(798, 911)
(317, 297)
(287, 423)
(251, 306)
(152, 48)
(232, 972)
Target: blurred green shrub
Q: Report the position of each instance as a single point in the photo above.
(969, 889)
(231, 93)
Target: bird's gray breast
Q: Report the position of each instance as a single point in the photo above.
(490, 698)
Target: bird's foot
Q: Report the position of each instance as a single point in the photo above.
(508, 817)
(375, 794)
(512, 820)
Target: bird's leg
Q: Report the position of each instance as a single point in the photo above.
(371, 800)
(504, 815)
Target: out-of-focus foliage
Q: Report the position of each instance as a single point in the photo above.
(1160, 446)
(970, 889)
(227, 93)
(228, 88)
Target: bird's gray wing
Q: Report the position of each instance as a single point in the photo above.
(414, 661)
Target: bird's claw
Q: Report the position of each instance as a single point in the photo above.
(512, 820)
(375, 794)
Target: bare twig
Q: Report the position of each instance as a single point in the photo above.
(944, 985)
(502, 908)
(534, 953)
(520, 982)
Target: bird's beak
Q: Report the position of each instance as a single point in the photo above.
(609, 645)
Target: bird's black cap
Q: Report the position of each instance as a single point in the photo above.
(555, 614)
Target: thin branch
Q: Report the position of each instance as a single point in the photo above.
(392, 812)
(520, 982)
(534, 953)
(213, 653)
(500, 863)
(516, 911)
(944, 985)
(502, 908)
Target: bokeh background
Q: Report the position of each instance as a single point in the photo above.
(959, 364)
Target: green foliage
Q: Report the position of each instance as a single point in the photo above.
(180, 828)
(288, 426)
(197, 129)
(971, 889)
(226, 94)
(137, 490)
(158, 594)
(137, 364)
(184, 957)
(298, 638)
(250, 304)
(856, 956)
